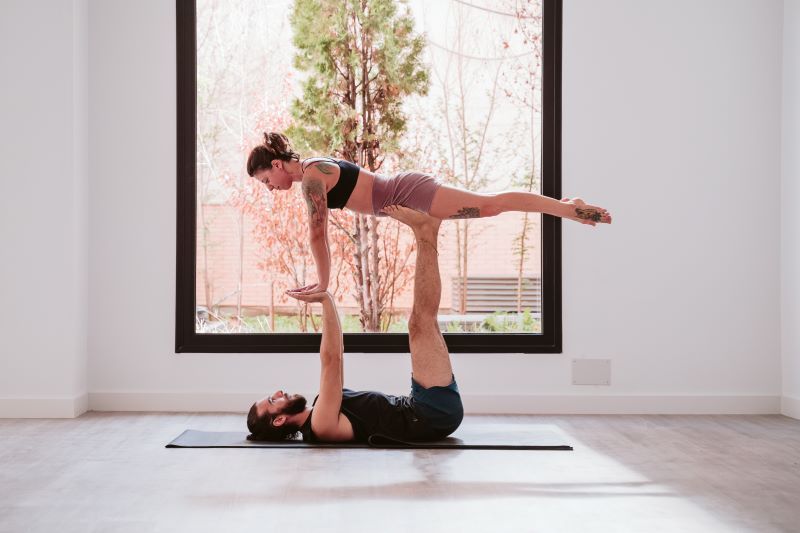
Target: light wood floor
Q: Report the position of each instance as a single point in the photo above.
(110, 472)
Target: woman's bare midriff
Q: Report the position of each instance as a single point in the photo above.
(360, 200)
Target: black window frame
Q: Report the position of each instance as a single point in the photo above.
(187, 340)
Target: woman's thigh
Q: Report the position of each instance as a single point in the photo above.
(450, 202)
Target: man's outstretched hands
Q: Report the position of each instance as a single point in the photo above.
(310, 297)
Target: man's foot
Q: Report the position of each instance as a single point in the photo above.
(421, 223)
(587, 214)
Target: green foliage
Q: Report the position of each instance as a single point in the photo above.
(502, 322)
(498, 322)
(362, 58)
(453, 327)
(290, 324)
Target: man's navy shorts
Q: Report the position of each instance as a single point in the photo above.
(438, 407)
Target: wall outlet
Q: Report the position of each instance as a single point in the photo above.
(591, 371)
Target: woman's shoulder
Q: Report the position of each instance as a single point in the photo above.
(325, 165)
(324, 170)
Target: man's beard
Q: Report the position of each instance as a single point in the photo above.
(294, 405)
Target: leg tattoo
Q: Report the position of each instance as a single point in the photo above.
(467, 212)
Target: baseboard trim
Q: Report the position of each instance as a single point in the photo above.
(173, 401)
(473, 403)
(622, 404)
(790, 407)
(44, 407)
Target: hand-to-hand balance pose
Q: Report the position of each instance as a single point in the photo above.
(432, 411)
(335, 184)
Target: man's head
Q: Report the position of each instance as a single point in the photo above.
(275, 417)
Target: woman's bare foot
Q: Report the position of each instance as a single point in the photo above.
(418, 221)
(587, 214)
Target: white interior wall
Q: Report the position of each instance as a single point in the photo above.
(671, 121)
(790, 199)
(43, 208)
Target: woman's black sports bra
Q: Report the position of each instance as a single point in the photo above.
(348, 176)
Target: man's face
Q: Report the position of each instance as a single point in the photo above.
(280, 403)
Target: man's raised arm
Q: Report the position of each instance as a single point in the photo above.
(325, 419)
(331, 347)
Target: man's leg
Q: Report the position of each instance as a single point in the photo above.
(430, 360)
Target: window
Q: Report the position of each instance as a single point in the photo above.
(470, 92)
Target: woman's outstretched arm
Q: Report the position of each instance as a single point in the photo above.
(317, 202)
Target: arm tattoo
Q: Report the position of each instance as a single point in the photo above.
(467, 212)
(314, 193)
(588, 214)
(325, 168)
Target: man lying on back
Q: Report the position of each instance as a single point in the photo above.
(431, 411)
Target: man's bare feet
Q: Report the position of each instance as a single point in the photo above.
(420, 222)
(585, 213)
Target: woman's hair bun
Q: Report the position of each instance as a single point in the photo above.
(276, 142)
(275, 146)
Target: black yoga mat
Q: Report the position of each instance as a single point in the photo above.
(468, 437)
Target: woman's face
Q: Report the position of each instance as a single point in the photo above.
(274, 178)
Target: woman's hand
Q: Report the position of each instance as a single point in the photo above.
(308, 289)
(312, 297)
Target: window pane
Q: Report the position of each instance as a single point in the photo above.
(477, 127)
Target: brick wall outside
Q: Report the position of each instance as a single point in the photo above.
(491, 254)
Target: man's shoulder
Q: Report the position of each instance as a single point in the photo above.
(342, 431)
(344, 390)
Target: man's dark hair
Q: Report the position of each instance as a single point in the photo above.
(261, 427)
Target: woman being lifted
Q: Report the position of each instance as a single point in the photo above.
(329, 183)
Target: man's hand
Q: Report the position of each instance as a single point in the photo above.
(310, 297)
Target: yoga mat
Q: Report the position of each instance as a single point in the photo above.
(468, 437)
